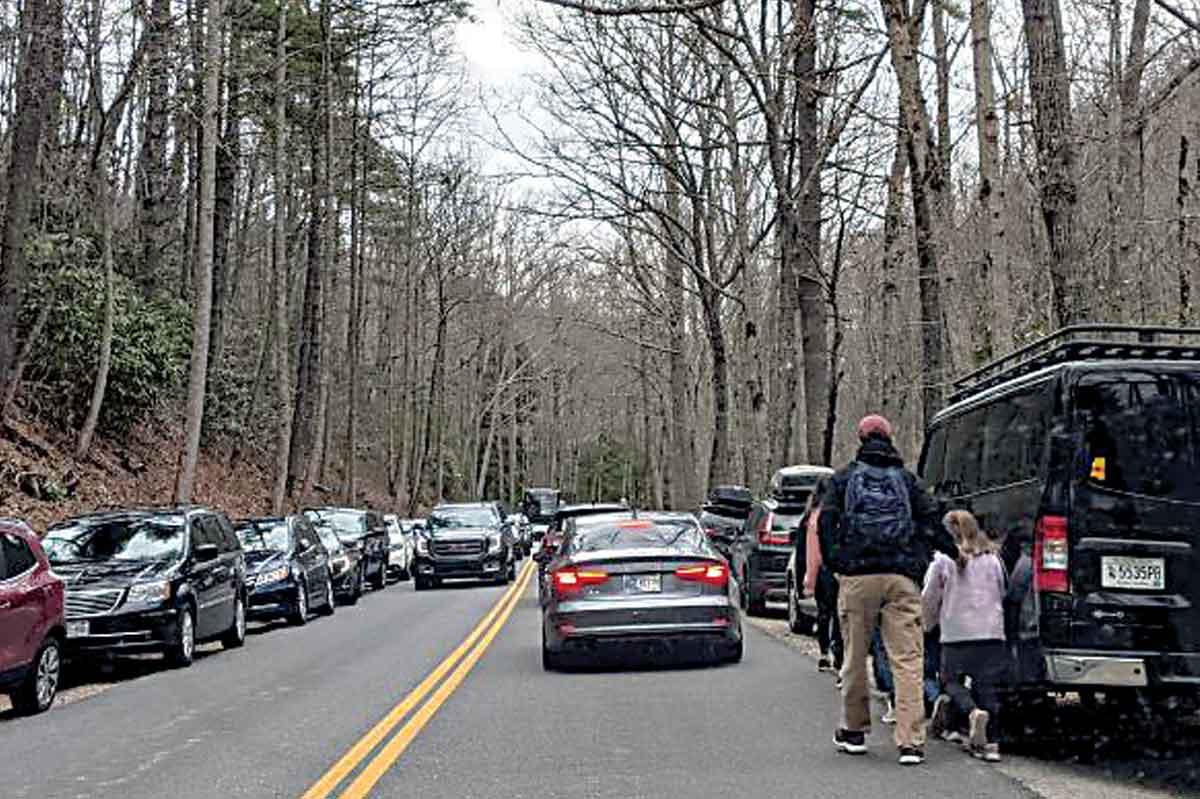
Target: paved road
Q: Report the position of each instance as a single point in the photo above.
(269, 720)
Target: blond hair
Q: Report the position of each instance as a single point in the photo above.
(970, 539)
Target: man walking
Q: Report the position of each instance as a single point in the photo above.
(878, 531)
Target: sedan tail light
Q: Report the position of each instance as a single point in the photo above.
(570, 580)
(1051, 555)
(768, 536)
(716, 574)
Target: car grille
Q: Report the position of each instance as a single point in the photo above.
(91, 603)
(457, 548)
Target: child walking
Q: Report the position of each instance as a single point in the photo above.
(966, 599)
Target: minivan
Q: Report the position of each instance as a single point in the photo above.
(1081, 452)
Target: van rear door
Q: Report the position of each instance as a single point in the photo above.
(1134, 558)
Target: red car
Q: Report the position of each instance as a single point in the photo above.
(32, 629)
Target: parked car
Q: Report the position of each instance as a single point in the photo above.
(364, 531)
(400, 546)
(153, 580)
(287, 569)
(32, 622)
(802, 610)
(764, 544)
(1081, 452)
(724, 514)
(650, 581)
(345, 566)
(539, 505)
(466, 540)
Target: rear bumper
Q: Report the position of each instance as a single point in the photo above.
(1082, 669)
(705, 620)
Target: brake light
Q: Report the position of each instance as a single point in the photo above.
(768, 536)
(711, 574)
(1051, 556)
(571, 580)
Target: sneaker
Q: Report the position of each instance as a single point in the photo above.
(850, 742)
(939, 719)
(889, 715)
(839, 682)
(977, 737)
(954, 737)
(989, 753)
(911, 756)
(824, 665)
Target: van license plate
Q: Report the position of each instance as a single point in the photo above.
(1147, 574)
(78, 629)
(643, 583)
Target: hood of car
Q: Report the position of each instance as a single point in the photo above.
(116, 573)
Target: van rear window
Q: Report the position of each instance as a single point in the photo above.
(1141, 431)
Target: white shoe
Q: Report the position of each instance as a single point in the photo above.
(889, 715)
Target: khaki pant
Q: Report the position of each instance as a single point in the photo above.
(894, 603)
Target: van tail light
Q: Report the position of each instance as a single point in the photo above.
(1051, 556)
(769, 537)
(715, 574)
(570, 580)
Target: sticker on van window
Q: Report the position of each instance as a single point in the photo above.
(1099, 468)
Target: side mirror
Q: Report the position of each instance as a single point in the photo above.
(206, 552)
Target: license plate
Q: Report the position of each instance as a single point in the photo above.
(78, 629)
(1148, 574)
(643, 583)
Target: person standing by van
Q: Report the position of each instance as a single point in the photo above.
(966, 599)
(878, 529)
(820, 584)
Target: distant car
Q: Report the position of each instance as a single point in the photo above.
(400, 547)
(32, 622)
(539, 505)
(652, 581)
(765, 543)
(157, 580)
(467, 540)
(362, 530)
(724, 514)
(287, 568)
(345, 566)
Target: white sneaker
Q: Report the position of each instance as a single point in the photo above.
(889, 715)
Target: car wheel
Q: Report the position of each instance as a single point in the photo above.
(420, 583)
(183, 651)
(551, 661)
(330, 603)
(734, 653)
(405, 574)
(299, 615)
(36, 693)
(236, 635)
(360, 580)
(798, 623)
(380, 581)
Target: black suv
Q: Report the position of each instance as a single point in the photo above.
(723, 515)
(288, 571)
(765, 542)
(1081, 451)
(362, 531)
(465, 540)
(150, 580)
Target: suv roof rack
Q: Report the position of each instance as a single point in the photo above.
(1084, 343)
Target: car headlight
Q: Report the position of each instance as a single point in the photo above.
(422, 545)
(154, 593)
(276, 575)
(494, 543)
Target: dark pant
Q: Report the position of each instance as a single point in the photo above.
(829, 631)
(972, 674)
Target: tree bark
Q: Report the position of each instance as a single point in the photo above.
(279, 268)
(229, 158)
(156, 198)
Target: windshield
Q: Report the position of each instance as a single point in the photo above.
(149, 539)
(1140, 431)
(264, 537)
(541, 505)
(329, 539)
(459, 518)
(348, 524)
(638, 535)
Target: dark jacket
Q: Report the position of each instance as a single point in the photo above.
(929, 535)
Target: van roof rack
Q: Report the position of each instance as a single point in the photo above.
(1084, 343)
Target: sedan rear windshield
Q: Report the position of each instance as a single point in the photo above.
(1140, 429)
(459, 518)
(638, 535)
(263, 537)
(147, 539)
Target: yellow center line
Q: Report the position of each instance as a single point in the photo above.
(324, 786)
(391, 752)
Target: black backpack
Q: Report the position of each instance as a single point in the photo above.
(878, 518)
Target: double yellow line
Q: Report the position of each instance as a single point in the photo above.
(458, 665)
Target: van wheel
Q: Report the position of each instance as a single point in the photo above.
(235, 636)
(36, 692)
(380, 581)
(183, 651)
(330, 603)
(359, 582)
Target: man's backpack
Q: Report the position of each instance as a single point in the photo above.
(878, 518)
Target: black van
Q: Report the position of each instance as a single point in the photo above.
(1082, 451)
(723, 514)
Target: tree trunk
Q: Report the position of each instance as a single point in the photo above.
(103, 193)
(893, 390)
(156, 198)
(39, 79)
(229, 157)
(279, 269)
(204, 256)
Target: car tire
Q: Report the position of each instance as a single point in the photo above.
(299, 615)
(733, 653)
(551, 661)
(357, 592)
(753, 607)
(36, 692)
(182, 653)
(380, 582)
(798, 623)
(405, 574)
(235, 636)
(330, 605)
(420, 583)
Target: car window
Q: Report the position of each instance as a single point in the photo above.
(349, 524)
(149, 538)
(329, 539)
(1140, 431)
(637, 534)
(17, 557)
(964, 451)
(933, 459)
(1015, 438)
(264, 537)
(306, 537)
(229, 540)
(206, 531)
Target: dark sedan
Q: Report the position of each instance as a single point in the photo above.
(652, 584)
(363, 531)
(287, 569)
(345, 567)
